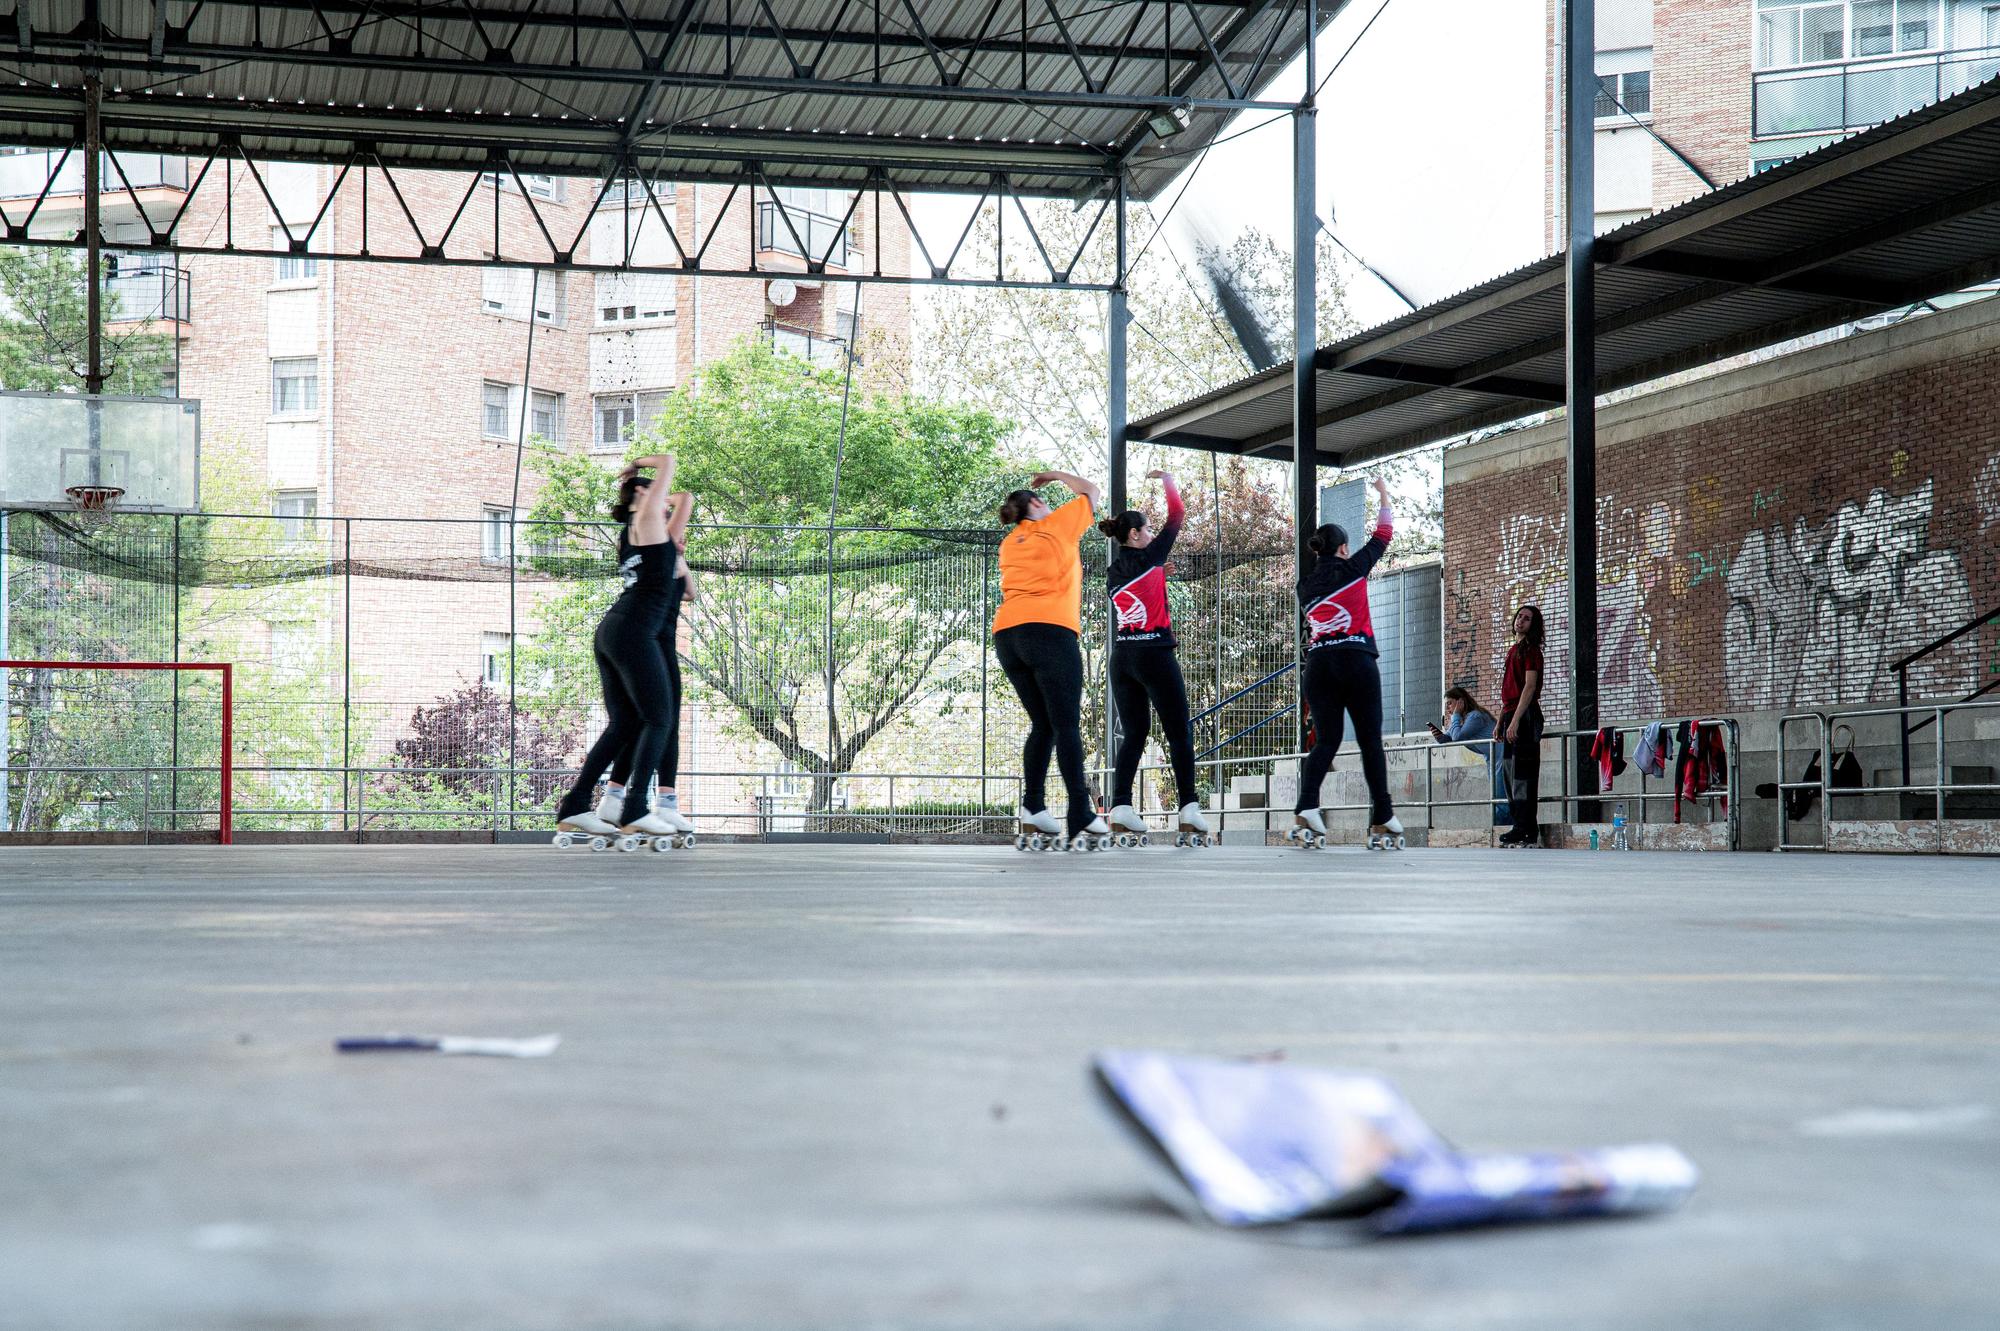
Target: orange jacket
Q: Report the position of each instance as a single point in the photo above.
(1041, 572)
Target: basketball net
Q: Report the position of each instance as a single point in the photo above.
(95, 504)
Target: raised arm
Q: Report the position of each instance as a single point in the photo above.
(1088, 489)
(677, 524)
(1170, 530)
(649, 526)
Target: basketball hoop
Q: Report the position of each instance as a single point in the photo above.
(95, 504)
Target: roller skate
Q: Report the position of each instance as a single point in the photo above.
(1094, 835)
(671, 815)
(611, 808)
(584, 829)
(1309, 829)
(1386, 836)
(649, 831)
(1130, 828)
(1194, 829)
(1037, 831)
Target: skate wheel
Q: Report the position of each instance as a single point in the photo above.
(599, 843)
(1179, 841)
(663, 844)
(1036, 841)
(628, 844)
(563, 841)
(1020, 841)
(1145, 840)
(1399, 843)
(687, 840)
(1126, 841)
(1198, 841)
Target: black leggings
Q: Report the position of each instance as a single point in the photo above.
(1340, 679)
(640, 705)
(1522, 762)
(670, 757)
(1045, 665)
(1143, 672)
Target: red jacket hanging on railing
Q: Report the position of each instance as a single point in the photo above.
(1703, 764)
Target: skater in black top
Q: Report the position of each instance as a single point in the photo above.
(639, 699)
(680, 588)
(1341, 675)
(1145, 673)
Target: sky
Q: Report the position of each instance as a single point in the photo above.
(1430, 149)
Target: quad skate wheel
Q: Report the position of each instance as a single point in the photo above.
(1145, 840)
(1197, 840)
(1126, 841)
(1036, 841)
(1020, 841)
(563, 841)
(1181, 841)
(687, 840)
(1400, 843)
(600, 843)
(627, 844)
(665, 843)
(1058, 842)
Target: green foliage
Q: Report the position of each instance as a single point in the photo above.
(756, 438)
(44, 329)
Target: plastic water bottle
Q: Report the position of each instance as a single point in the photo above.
(1618, 839)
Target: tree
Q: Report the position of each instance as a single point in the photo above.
(470, 728)
(45, 323)
(806, 614)
(1038, 356)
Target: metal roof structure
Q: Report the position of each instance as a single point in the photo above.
(1887, 218)
(942, 95)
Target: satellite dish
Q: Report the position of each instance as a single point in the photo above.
(783, 291)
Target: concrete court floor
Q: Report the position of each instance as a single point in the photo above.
(841, 1087)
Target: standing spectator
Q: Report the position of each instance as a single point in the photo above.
(1521, 726)
(1468, 723)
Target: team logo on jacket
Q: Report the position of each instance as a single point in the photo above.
(1329, 617)
(1131, 610)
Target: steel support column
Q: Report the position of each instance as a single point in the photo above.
(1305, 336)
(1580, 370)
(1117, 323)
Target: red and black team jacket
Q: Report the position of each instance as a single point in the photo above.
(1139, 585)
(1334, 595)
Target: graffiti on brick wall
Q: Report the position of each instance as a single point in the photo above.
(1819, 613)
(1986, 494)
(1635, 555)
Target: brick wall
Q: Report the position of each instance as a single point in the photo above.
(1701, 94)
(1769, 539)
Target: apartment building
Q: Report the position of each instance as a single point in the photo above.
(1722, 88)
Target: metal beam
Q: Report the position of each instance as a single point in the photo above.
(1580, 368)
(1305, 336)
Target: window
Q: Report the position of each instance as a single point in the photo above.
(807, 222)
(619, 415)
(295, 386)
(624, 298)
(496, 403)
(1795, 34)
(493, 534)
(494, 649)
(1760, 164)
(545, 415)
(295, 511)
(292, 267)
(504, 292)
(541, 186)
(627, 190)
(1619, 95)
(291, 643)
(846, 326)
(1989, 26)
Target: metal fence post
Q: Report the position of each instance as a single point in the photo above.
(346, 665)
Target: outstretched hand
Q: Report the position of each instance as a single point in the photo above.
(1041, 478)
(1159, 474)
(1381, 489)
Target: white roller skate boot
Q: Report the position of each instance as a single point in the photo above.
(584, 829)
(1308, 829)
(1130, 828)
(1096, 835)
(1194, 829)
(668, 810)
(1386, 836)
(650, 830)
(612, 807)
(1037, 831)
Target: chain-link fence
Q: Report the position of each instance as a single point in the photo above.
(434, 674)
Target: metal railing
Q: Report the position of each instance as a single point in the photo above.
(1902, 669)
(823, 351)
(32, 175)
(1650, 791)
(1940, 787)
(146, 294)
(1853, 94)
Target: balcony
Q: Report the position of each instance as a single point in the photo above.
(828, 353)
(146, 293)
(24, 175)
(821, 235)
(1832, 98)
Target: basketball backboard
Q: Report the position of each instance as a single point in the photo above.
(148, 447)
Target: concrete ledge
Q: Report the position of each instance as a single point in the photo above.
(1895, 836)
(1648, 836)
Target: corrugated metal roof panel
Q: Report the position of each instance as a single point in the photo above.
(1887, 218)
